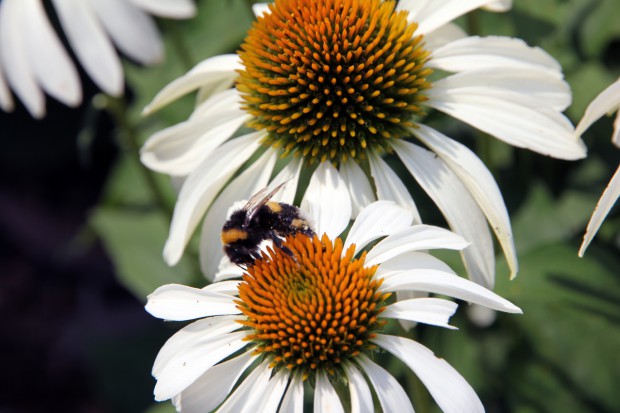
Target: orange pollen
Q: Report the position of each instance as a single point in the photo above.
(329, 79)
(310, 306)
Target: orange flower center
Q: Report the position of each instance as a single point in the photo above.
(311, 307)
(329, 79)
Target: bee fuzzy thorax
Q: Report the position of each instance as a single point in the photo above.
(261, 220)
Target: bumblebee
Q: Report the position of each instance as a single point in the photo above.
(259, 220)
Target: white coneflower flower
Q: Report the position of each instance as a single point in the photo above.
(606, 102)
(344, 82)
(34, 61)
(315, 312)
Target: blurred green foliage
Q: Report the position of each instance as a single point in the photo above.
(561, 354)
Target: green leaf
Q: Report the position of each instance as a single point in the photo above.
(134, 240)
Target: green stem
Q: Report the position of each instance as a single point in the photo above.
(118, 109)
(179, 44)
(473, 23)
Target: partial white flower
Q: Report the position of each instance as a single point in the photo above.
(33, 60)
(608, 101)
(347, 92)
(315, 312)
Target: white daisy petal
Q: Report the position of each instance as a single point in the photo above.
(244, 186)
(196, 331)
(547, 88)
(227, 270)
(14, 54)
(479, 182)
(133, 31)
(6, 99)
(412, 260)
(457, 206)
(193, 359)
(327, 201)
(431, 14)
(449, 389)
(390, 393)
(178, 303)
(604, 205)
(173, 9)
(492, 52)
(272, 396)
(289, 174)
(418, 237)
(179, 149)
(443, 35)
(361, 397)
(512, 117)
(213, 74)
(224, 287)
(212, 388)
(499, 6)
(358, 185)
(260, 9)
(91, 44)
(606, 101)
(326, 399)
(293, 401)
(201, 188)
(379, 219)
(389, 186)
(440, 282)
(50, 62)
(246, 397)
(434, 311)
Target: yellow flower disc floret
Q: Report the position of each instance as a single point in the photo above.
(329, 79)
(309, 306)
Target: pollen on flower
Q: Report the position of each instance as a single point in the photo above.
(329, 79)
(311, 307)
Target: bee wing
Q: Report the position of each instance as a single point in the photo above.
(258, 200)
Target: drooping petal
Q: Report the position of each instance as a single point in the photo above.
(411, 260)
(249, 393)
(440, 282)
(457, 205)
(224, 287)
(492, 52)
(359, 187)
(250, 181)
(289, 174)
(6, 99)
(361, 397)
(14, 55)
(479, 182)
(91, 44)
(499, 6)
(606, 101)
(415, 238)
(548, 89)
(517, 119)
(178, 303)
(177, 150)
(272, 396)
(431, 14)
(449, 389)
(193, 359)
(615, 137)
(215, 74)
(293, 401)
(434, 311)
(326, 399)
(201, 188)
(443, 35)
(327, 201)
(212, 388)
(390, 393)
(389, 186)
(49, 60)
(133, 31)
(260, 8)
(608, 199)
(173, 9)
(379, 219)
